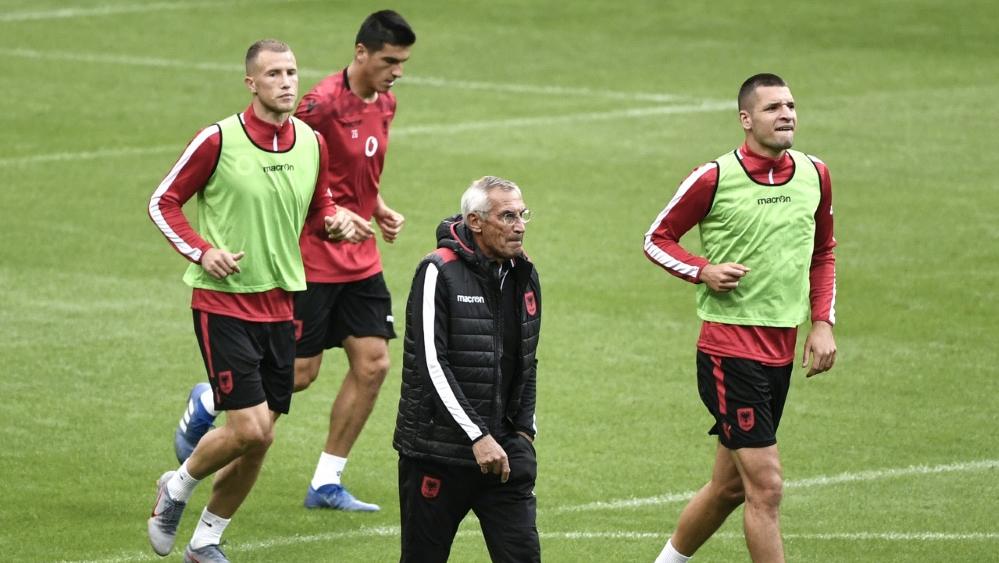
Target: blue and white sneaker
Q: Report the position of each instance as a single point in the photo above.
(194, 423)
(337, 498)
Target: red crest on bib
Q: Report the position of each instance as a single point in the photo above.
(530, 303)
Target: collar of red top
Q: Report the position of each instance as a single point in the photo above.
(262, 133)
(759, 164)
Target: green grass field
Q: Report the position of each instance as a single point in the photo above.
(598, 110)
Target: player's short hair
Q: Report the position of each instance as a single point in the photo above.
(385, 26)
(264, 45)
(753, 82)
(476, 197)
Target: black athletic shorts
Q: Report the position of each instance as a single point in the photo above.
(746, 398)
(247, 362)
(327, 313)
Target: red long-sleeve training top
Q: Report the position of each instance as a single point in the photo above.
(691, 203)
(191, 174)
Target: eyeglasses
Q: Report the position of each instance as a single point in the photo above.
(510, 217)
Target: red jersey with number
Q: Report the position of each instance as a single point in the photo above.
(693, 199)
(356, 134)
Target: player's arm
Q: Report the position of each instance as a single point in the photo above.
(820, 345)
(337, 223)
(189, 175)
(688, 206)
(390, 222)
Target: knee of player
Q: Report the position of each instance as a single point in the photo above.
(731, 493)
(305, 374)
(768, 491)
(372, 371)
(255, 437)
(302, 382)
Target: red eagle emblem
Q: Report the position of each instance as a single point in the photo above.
(747, 418)
(225, 382)
(530, 303)
(431, 487)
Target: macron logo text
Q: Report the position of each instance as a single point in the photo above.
(279, 168)
(471, 299)
(775, 199)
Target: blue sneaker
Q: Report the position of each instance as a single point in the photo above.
(195, 423)
(337, 498)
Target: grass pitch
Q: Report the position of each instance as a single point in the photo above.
(599, 111)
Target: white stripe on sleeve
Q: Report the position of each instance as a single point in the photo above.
(659, 255)
(154, 202)
(832, 305)
(444, 390)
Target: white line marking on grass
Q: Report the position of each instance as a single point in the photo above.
(870, 475)
(845, 536)
(543, 90)
(63, 13)
(891, 536)
(413, 130)
(561, 119)
(550, 90)
(98, 58)
(111, 10)
(363, 532)
(90, 155)
(393, 532)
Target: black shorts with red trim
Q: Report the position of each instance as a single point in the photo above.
(327, 313)
(745, 397)
(247, 362)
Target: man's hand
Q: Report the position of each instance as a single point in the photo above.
(723, 277)
(346, 225)
(491, 457)
(820, 349)
(220, 263)
(389, 221)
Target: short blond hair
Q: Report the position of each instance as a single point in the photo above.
(273, 45)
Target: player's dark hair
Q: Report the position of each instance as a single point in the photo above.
(384, 26)
(264, 45)
(754, 82)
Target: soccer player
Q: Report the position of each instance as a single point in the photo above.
(766, 226)
(256, 175)
(347, 303)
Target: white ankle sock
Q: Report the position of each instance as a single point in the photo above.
(669, 554)
(328, 470)
(181, 485)
(209, 530)
(208, 401)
